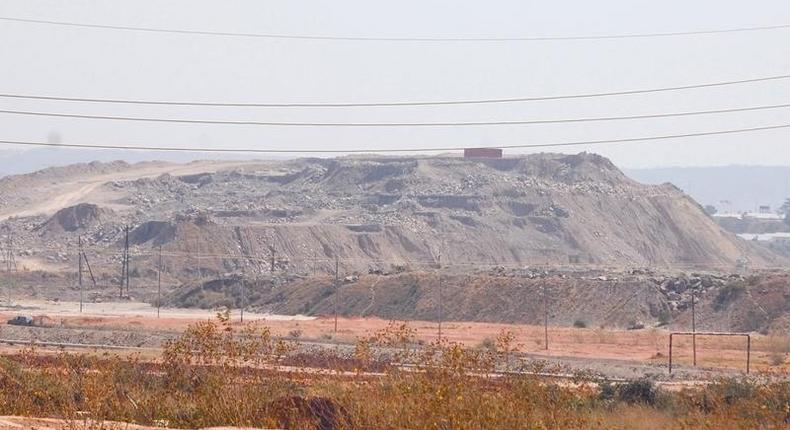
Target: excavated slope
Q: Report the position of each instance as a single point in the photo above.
(374, 212)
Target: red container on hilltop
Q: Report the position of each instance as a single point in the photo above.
(482, 153)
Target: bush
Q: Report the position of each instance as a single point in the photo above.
(641, 391)
(295, 334)
(580, 324)
(219, 375)
(635, 325)
(487, 344)
(756, 321)
(727, 294)
(664, 318)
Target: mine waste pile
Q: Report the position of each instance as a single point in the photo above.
(291, 223)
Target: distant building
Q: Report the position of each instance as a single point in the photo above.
(767, 237)
(763, 216)
(764, 209)
(768, 216)
(482, 153)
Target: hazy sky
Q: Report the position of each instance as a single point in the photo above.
(51, 60)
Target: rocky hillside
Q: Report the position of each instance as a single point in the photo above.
(219, 217)
(634, 300)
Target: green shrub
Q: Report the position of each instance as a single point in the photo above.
(664, 317)
(727, 294)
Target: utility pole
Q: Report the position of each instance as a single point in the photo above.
(545, 318)
(126, 248)
(123, 269)
(693, 330)
(197, 256)
(79, 267)
(10, 263)
(441, 297)
(271, 248)
(159, 284)
(123, 273)
(243, 299)
(337, 288)
(81, 257)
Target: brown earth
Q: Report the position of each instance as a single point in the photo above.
(615, 353)
(625, 300)
(213, 218)
(392, 226)
(758, 302)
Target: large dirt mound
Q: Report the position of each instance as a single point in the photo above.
(76, 218)
(548, 208)
(383, 212)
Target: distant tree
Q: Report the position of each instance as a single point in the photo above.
(710, 209)
(785, 209)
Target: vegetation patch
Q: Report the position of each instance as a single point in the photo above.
(728, 294)
(217, 374)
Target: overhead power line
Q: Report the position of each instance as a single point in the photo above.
(396, 103)
(390, 150)
(393, 39)
(391, 124)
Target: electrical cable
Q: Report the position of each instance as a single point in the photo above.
(396, 103)
(388, 150)
(391, 124)
(393, 39)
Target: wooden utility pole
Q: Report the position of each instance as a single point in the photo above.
(79, 267)
(159, 284)
(243, 299)
(271, 248)
(337, 288)
(441, 297)
(10, 264)
(123, 270)
(128, 260)
(545, 318)
(197, 256)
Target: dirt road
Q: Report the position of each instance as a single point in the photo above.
(54, 196)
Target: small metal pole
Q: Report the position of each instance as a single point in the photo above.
(670, 353)
(159, 284)
(337, 288)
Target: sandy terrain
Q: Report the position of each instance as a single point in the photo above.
(125, 309)
(616, 352)
(60, 194)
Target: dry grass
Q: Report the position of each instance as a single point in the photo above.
(216, 375)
